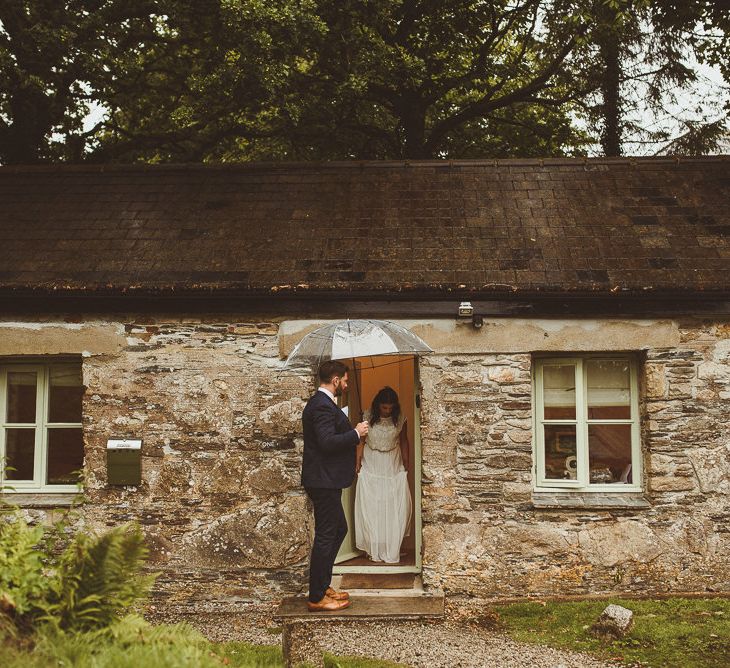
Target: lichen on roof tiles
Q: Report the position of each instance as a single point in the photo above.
(486, 227)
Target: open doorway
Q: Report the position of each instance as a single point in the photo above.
(367, 377)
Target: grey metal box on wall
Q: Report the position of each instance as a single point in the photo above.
(124, 462)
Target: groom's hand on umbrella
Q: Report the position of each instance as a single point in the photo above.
(362, 429)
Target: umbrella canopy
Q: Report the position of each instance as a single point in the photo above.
(354, 338)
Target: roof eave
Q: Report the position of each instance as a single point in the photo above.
(340, 292)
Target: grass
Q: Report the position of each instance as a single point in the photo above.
(133, 643)
(331, 661)
(677, 632)
(681, 633)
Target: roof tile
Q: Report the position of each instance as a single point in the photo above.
(493, 227)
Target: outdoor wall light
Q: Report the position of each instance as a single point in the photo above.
(466, 310)
(477, 321)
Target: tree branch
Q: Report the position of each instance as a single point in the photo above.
(488, 103)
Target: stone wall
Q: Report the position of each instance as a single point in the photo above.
(228, 523)
(220, 499)
(484, 537)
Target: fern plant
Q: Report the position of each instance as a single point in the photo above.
(97, 579)
(82, 583)
(24, 586)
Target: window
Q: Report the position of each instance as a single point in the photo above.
(41, 440)
(587, 425)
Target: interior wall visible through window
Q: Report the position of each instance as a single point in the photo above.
(587, 432)
(41, 437)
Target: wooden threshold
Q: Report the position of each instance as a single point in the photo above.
(408, 559)
(385, 568)
(377, 581)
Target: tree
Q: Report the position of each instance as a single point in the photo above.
(54, 57)
(641, 53)
(423, 79)
(701, 27)
(334, 79)
(225, 80)
(213, 84)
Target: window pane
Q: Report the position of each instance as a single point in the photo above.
(609, 453)
(65, 456)
(559, 391)
(21, 396)
(609, 390)
(560, 452)
(19, 453)
(65, 393)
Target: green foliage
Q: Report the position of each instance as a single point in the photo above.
(332, 661)
(213, 78)
(56, 58)
(83, 585)
(97, 578)
(133, 642)
(23, 585)
(677, 632)
(232, 80)
(399, 79)
(643, 55)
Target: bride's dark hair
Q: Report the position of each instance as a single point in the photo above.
(386, 396)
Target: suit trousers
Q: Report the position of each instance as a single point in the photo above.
(330, 529)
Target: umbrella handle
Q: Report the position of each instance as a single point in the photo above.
(357, 387)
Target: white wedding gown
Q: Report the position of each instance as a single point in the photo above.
(382, 497)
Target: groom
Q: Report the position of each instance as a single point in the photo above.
(328, 467)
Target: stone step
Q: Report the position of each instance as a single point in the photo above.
(298, 624)
(426, 606)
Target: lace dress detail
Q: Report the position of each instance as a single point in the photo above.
(382, 497)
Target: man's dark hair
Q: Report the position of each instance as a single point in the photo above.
(331, 368)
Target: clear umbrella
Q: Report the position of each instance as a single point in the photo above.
(371, 339)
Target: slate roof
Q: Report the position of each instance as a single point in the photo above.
(473, 227)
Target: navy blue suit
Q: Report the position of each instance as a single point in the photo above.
(330, 443)
(328, 466)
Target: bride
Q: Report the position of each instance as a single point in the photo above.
(382, 495)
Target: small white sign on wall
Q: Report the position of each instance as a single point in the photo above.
(123, 444)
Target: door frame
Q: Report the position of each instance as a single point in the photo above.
(417, 501)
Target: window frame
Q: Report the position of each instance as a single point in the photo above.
(41, 426)
(582, 423)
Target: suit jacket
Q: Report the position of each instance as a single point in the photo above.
(330, 443)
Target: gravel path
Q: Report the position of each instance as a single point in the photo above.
(434, 645)
(449, 644)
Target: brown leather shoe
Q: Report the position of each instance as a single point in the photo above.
(337, 595)
(327, 604)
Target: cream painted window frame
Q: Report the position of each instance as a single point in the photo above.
(581, 483)
(41, 426)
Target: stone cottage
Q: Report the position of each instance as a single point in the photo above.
(569, 433)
